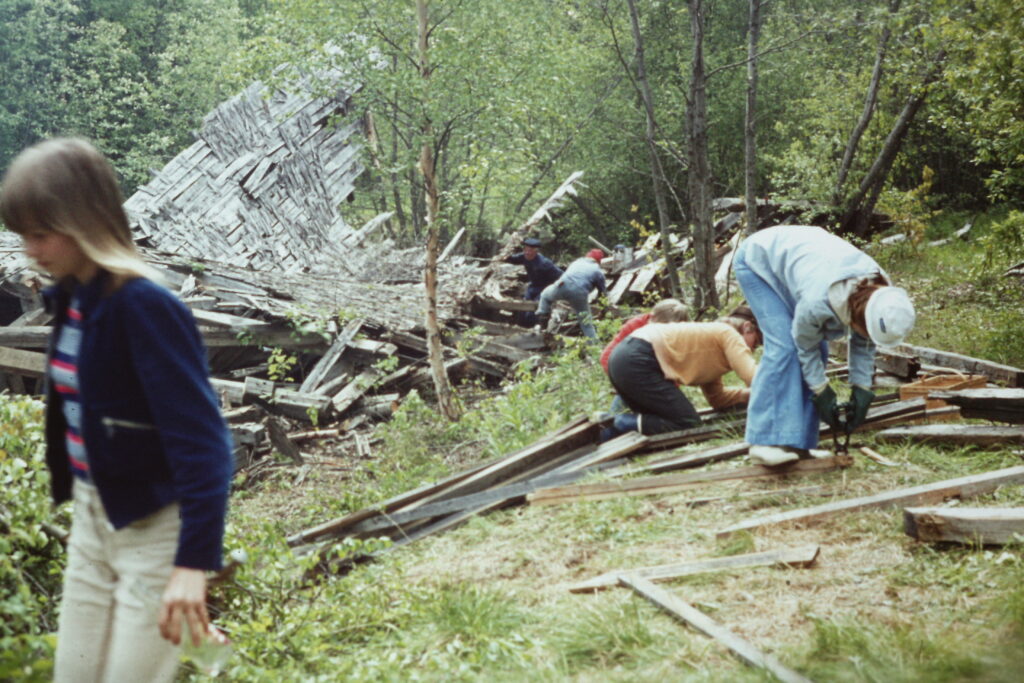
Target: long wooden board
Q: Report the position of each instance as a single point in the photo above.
(1006, 405)
(978, 435)
(800, 556)
(673, 483)
(981, 526)
(1011, 376)
(689, 614)
(964, 487)
(27, 363)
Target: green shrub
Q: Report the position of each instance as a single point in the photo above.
(31, 554)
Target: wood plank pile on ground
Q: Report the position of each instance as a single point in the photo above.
(548, 472)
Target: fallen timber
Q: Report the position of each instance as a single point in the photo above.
(906, 360)
(1002, 405)
(962, 487)
(972, 526)
(799, 557)
(692, 616)
(664, 484)
(961, 435)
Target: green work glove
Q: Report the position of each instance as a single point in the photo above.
(828, 409)
(860, 399)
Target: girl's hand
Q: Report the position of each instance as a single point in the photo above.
(184, 598)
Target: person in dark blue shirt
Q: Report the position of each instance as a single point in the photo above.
(540, 271)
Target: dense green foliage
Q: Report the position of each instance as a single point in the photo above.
(31, 558)
(135, 77)
(519, 98)
(522, 94)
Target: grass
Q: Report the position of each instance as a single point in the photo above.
(488, 601)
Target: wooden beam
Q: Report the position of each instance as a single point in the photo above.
(969, 435)
(21, 362)
(801, 556)
(692, 616)
(672, 483)
(974, 526)
(329, 359)
(25, 337)
(963, 487)
(278, 436)
(339, 526)
(689, 460)
(354, 390)
(1006, 405)
(1007, 374)
(622, 445)
(506, 304)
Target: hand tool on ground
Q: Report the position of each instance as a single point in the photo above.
(840, 435)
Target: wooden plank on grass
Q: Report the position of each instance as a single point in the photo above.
(671, 440)
(524, 460)
(698, 459)
(622, 445)
(1005, 405)
(959, 434)
(801, 556)
(339, 526)
(692, 616)
(981, 526)
(672, 483)
(926, 494)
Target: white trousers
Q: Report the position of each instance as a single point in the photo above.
(107, 632)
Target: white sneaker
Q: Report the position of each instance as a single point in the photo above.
(819, 453)
(771, 455)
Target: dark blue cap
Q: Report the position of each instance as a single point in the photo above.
(531, 242)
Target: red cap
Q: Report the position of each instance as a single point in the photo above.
(595, 254)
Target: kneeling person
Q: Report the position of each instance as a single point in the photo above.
(646, 368)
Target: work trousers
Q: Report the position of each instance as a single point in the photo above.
(529, 318)
(106, 630)
(780, 412)
(636, 375)
(577, 297)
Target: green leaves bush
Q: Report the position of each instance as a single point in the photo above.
(31, 552)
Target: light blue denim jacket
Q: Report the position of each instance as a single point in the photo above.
(586, 274)
(800, 262)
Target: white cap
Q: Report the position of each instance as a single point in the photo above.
(889, 315)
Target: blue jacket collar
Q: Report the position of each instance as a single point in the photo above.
(56, 297)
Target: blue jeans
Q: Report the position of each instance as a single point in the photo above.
(529, 318)
(577, 297)
(780, 412)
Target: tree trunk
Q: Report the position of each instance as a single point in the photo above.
(749, 123)
(870, 100)
(373, 144)
(445, 396)
(657, 173)
(858, 211)
(705, 294)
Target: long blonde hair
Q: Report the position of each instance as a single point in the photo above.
(67, 186)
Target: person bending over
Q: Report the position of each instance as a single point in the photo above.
(581, 277)
(648, 366)
(806, 287)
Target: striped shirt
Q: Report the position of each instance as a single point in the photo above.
(64, 375)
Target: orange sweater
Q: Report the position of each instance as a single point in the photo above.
(698, 354)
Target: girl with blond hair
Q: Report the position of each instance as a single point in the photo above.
(133, 431)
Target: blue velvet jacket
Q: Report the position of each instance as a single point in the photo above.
(150, 420)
